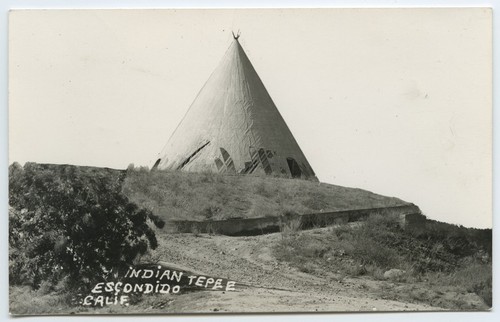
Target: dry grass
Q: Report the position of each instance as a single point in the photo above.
(210, 196)
(24, 300)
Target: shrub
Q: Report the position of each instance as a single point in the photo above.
(211, 212)
(371, 252)
(290, 226)
(72, 222)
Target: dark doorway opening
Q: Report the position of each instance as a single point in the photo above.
(294, 168)
(156, 164)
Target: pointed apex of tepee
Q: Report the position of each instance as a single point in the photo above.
(234, 126)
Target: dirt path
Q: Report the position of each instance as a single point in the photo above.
(273, 286)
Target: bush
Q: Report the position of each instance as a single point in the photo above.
(211, 212)
(290, 226)
(73, 223)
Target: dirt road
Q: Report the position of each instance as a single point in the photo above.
(263, 283)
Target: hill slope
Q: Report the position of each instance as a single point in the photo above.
(202, 196)
(338, 268)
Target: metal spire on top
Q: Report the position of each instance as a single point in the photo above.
(237, 34)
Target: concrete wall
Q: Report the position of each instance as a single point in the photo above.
(255, 226)
(413, 220)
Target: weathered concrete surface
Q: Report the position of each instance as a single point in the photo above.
(408, 214)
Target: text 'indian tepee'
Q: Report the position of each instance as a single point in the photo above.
(234, 126)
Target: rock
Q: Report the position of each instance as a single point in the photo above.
(394, 273)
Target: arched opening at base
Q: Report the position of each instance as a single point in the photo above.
(156, 164)
(294, 168)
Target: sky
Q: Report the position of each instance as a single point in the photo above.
(395, 101)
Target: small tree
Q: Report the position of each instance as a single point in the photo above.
(73, 223)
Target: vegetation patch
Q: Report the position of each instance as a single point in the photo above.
(434, 256)
(70, 227)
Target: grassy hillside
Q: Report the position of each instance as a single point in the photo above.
(438, 264)
(209, 196)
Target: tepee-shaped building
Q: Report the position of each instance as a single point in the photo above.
(234, 126)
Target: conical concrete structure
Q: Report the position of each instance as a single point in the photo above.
(234, 126)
